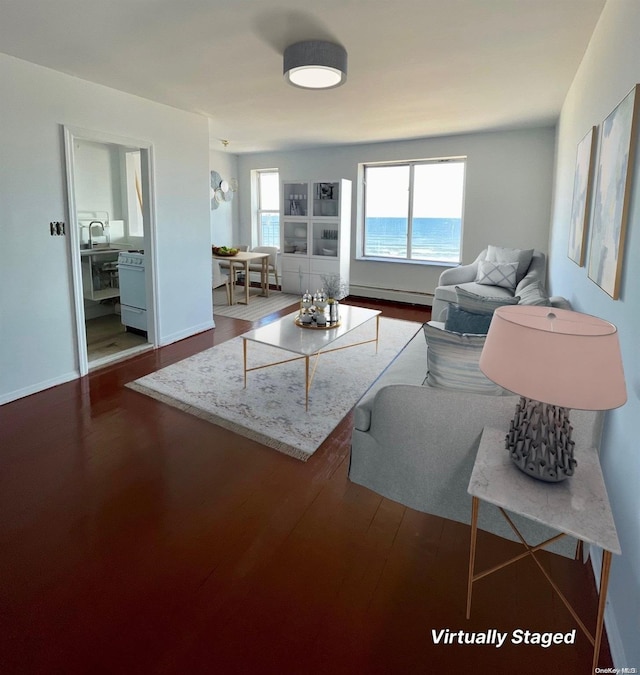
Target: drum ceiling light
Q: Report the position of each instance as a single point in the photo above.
(315, 64)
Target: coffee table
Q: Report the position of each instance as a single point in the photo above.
(309, 342)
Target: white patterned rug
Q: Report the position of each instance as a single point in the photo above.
(271, 409)
(258, 306)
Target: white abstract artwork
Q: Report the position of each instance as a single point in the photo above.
(613, 187)
(581, 198)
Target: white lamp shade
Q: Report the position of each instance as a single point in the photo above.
(315, 64)
(555, 356)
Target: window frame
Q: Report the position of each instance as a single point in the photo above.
(411, 163)
(260, 211)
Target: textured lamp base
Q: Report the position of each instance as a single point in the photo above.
(539, 440)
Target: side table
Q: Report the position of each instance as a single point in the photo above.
(578, 506)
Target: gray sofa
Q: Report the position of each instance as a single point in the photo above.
(416, 444)
(531, 287)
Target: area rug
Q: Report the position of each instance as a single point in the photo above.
(271, 409)
(258, 306)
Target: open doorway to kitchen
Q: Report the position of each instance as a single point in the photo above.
(112, 237)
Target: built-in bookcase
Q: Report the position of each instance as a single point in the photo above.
(315, 232)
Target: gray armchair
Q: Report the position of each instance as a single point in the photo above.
(530, 287)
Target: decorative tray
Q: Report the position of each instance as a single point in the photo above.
(314, 326)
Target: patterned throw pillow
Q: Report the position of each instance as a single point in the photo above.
(460, 321)
(497, 274)
(498, 254)
(452, 362)
(479, 304)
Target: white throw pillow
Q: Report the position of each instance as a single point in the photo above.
(479, 304)
(499, 254)
(452, 362)
(534, 294)
(497, 274)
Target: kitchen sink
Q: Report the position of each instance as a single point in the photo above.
(99, 251)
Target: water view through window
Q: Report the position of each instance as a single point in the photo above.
(269, 229)
(413, 211)
(431, 238)
(269, 207)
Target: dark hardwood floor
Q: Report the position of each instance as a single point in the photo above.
(135, 538)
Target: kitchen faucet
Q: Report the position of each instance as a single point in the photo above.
(102, 227)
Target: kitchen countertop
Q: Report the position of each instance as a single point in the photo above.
(101, 251)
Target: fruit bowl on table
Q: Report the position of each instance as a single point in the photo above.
(224, 251)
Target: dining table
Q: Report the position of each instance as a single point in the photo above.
(242, 260)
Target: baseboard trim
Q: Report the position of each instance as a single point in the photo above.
(38, 387)
(181, 335)
(393, 294)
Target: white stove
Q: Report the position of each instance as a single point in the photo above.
(133, 292)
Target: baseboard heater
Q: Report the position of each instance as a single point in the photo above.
(394, 294)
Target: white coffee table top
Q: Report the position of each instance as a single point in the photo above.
(578, 505)
(284, 333)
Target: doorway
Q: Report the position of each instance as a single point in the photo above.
(112, 230)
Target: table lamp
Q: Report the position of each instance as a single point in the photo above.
(555, 359)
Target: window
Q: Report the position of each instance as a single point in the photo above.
(268, 208)
(413, 210)
(133, 172)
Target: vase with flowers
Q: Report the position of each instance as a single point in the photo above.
(335, 289)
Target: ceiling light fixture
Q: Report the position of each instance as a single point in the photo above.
(315, 64)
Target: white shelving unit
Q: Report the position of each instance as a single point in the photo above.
(315, 233)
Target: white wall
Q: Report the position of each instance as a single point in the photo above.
(37, 329)
(610, 68)
(507, 200)
(224, 219)
(97, 178)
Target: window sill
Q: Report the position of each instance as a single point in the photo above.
(403, 261)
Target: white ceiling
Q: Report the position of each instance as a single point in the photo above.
(416, 67)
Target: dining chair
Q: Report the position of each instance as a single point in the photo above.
(273, 261)
(227, 266)
(219, 279)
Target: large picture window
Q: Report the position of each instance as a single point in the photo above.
(269, 208)
(413, 210)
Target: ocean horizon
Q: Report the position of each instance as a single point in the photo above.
(431, 238)
(436, 239)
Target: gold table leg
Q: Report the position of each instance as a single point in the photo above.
(604, 582)
(244, 351)
(309, 374)
(472, 553)
(306, 383)
(530, 551)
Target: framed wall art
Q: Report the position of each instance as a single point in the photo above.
(613, 188)
(582, 184)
